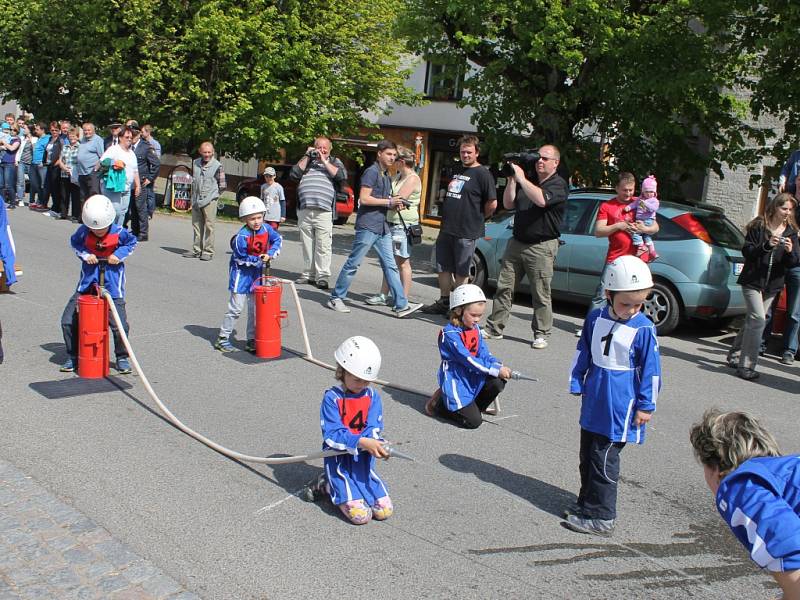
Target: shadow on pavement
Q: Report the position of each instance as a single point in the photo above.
(542, 495)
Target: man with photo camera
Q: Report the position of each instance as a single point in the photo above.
(539, 195)
(319, 175)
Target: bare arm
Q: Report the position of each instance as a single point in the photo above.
(602, 229)
(534, 192)
(489, 208)
(509, 193)
(366, 198)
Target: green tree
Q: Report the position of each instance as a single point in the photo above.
(253, 75)
(645, 82)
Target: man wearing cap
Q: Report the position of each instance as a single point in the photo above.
(318, 174)
(89, 153)
(115, 129)
(274, 199)
(149, 164)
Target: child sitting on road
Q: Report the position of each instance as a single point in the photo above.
(757, 491)
(253, 245)
(470, 378)
(617, 371)
(645, 206)
(352, 419)
(99, 238)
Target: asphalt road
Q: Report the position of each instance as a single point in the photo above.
(477, 516)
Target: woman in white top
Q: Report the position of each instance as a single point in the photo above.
(120, 156)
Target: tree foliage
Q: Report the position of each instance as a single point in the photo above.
(253, 75)
(617, 84)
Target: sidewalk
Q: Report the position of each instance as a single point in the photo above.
(49, 550)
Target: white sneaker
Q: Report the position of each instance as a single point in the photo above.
(488, 335)
(376, 300)
(338, 305)
(539, 343)
(407, 309)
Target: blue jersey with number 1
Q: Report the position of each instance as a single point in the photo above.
(617, 371)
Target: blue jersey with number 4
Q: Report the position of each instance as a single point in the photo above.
(760, 502)
(617, 371)
(345, 418)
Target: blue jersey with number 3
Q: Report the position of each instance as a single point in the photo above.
(248, 246)
(617, 371)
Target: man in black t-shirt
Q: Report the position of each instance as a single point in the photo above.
(534, 245)
(471, 199)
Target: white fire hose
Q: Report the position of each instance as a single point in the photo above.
(212, 444)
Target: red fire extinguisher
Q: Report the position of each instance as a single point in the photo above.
(93, 331)
(267, 298)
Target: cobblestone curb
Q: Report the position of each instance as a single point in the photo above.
(50, 550)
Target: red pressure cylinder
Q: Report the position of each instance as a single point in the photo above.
(267, 298)
(92, 337)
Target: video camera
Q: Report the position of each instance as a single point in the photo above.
(526, 159)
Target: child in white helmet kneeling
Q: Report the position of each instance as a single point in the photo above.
(99, 238)
(617, 372)
(252, 245)
(470, 378)
(351, 417)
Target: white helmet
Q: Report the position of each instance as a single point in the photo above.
(627, 274)
(250, 206)
(98, 212)
(466, 294)
(359, 356)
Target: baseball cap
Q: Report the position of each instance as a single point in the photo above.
(269, 171)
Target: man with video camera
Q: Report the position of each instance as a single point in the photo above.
(532, 249)
(319, 175)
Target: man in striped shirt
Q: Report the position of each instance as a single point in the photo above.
(318, 174)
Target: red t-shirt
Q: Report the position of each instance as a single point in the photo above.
(619, 242)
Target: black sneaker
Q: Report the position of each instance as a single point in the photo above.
(315, 490)
(440, 307)
(250, 346)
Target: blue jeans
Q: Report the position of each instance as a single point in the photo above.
(8, 182)
(22, 169)
(363, 241)
(792, 330)
(120, 202)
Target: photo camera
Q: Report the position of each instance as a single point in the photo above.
(526, 159)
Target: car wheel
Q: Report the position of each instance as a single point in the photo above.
(340, 220)
(477, 270)
(663, 308)
(241, 195)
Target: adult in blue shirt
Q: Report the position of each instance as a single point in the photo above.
(87, 167)
(38, 174)
(757, 491)
(373, 231)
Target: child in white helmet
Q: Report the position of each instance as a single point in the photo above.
(470, 378)
(99, 238)
(617, 372)
(252, 245)
(351, 417)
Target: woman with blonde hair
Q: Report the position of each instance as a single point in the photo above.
(770, 248)
(756, 490)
